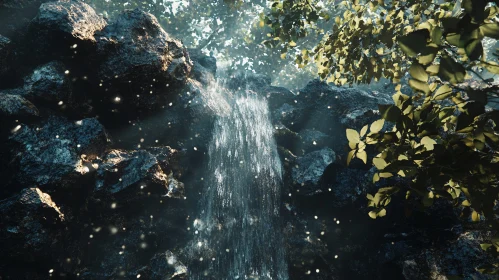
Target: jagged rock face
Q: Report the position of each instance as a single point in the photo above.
(27, 225)
(458, 259)
(164, 266)
(19, 4)
(4, 54)
(150, 52)
(346, 184)
(207, 63)
(119, 171)
(308, 170)
(54, 152)
(74, 19)
(14, 107)
(311, 140)
(48, 84)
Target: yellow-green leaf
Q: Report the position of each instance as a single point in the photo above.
(442, 93)
(490, 30)
(379, 163)
(417, 72)
(475, 217)
(376, 126)
(363, 131)
(362, 156)
(350, 156)
(353, 136)
(428, 143)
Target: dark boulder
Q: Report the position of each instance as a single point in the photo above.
(73, 19)
(135, 48)
(16, 107)
(62, 30)
(30, 223)
(458, 258)
(164, 266)
(308, 170)
(207, 62)
(56, 151)
(327, 109)
(5, 49)
(16, 15)
(49, 85)
(131, 171)
(347, 185)
(260, 84)
(311, 140)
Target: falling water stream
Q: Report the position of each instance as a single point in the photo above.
(238, 230)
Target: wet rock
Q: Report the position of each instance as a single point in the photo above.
(458, 258)
(287, 114)
(346, 184)
(48, 84)
(15, 15)
(4, 58)
(248, 81)
(135, 48)
(15, 107)
(312, 140)
(164, 266)
(327, 109)
(286, 137)
(308, 170)
(29, 226)
(54, 153)
(121, 170)
(207, 62)
(70, 19)
(20, 4)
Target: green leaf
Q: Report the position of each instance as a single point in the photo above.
(389, 112)
(490, 30)
(382, 212)
(379, 163)
(474, 49)
(362, 156)
(475, 217)
(414, 42)
(436, 35)
(454, 39)
(442, 93)
(492, 67)
(350, 156)
(385, 175)
(451, 71)
(419, 86)
(353, 136)
(428, 143)
(428, 199)
(363, 131)
(376, 126)
(428, 55)
(418, 72)
(485, 246)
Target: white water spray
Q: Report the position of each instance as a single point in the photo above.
(238, 231)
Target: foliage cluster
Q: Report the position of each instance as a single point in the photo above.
(442, 138)
(229, 30)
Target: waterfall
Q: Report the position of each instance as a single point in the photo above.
(238, 232)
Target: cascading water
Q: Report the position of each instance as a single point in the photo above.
(238, 232)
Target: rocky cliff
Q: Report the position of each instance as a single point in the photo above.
(104, 130)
